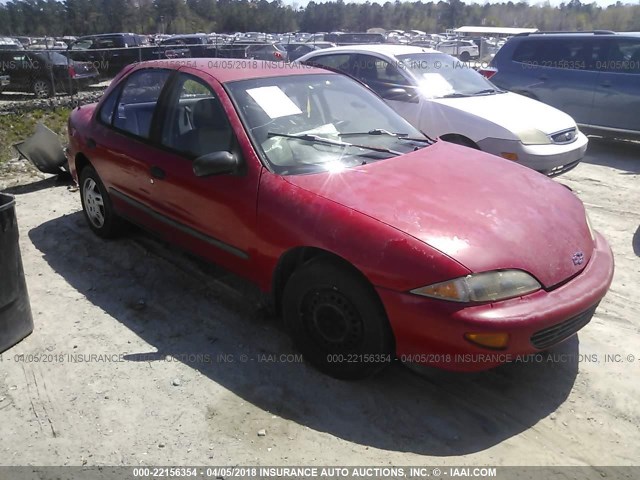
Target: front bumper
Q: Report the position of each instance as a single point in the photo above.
(431, 332)
(552, 159)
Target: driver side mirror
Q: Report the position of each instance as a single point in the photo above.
(215, 163)
(400, 94)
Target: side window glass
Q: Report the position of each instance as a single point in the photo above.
(622, 56)
(555, 53)
(82, 44)
(389, 73)
(340, 62)
(526, 52)
(138, 100)
(196, 123)
(106, 111)
(378, 74)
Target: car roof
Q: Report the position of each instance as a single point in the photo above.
(222, 69)
(98, 35)
(595, 33)
(385, 49)
(189, 35)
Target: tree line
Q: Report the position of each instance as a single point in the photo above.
(83, 17)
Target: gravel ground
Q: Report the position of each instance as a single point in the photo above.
(24, 102)
(188, 369)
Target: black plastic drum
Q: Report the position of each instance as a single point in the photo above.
(16, 321)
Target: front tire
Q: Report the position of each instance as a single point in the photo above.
(337, 321)
(460, 140)
(96, 205)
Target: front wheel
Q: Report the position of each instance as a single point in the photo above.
(337, 320)
(96, 205)
(460, 140)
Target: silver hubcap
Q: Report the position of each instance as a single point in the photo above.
(41, 88)
(93, 203)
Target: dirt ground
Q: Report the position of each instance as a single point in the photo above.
(141, 355)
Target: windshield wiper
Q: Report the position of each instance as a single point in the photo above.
(380, 131)
(486, 91)
(455, 95)
(307, 137)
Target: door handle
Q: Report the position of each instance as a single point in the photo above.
(157, 172)
(606, 84)
(91, 143)
(543, 77)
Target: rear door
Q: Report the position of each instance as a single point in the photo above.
(617, 95)
(120, 145)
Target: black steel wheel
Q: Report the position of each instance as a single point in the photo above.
(337, 320)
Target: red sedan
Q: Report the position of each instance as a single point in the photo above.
(373, 241)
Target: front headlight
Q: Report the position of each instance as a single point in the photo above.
(533, 136)
(482, 287)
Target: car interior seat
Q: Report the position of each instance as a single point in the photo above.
(634, 61)
(367, 70)
(257, 120)
(211, 130)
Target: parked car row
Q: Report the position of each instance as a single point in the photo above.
(589, 76)
(372, 240)
(594, 77)
(42, 73)
(441, 98)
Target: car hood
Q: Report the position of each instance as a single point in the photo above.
(506, 110)
(485, 212)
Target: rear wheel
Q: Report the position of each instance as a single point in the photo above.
(465, 56)
(96, 205)
(42, 88)
(337, 321)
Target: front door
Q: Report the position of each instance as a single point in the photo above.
(213, 216)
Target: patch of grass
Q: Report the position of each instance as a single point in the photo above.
(15, 127)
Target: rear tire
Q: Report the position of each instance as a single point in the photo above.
(465, 56)
(337, 321)
(42, 88)
(96, 204)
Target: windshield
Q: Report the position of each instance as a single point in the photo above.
(311, 123)
(443, 76)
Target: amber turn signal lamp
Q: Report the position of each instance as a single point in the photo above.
(489, 340)
(509, 156)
